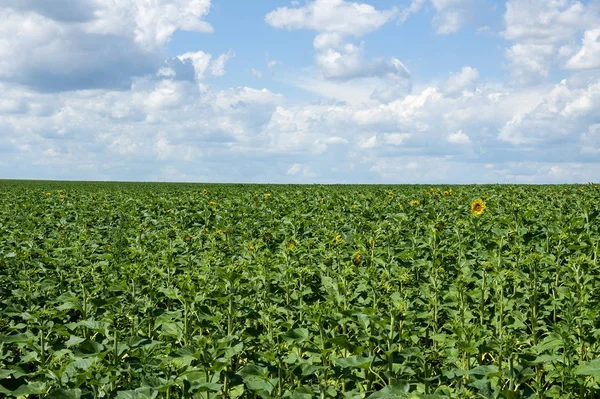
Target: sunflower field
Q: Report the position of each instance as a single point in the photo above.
(134, 290)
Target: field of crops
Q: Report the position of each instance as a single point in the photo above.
(122, 290)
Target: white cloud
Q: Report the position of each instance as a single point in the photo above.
(300, 170)
(369, 143)
(544, 21)
(563, 114)
(451, 15)
(544, 34)
(338, 59)
(414, 7)
(217, 67)
(459, 137)
(90, 44)
(150, 23)
(530, 62)
(294, 169)
(201, 63)
(332, 16)
(335, 21)
(466, 79)
(588, 55)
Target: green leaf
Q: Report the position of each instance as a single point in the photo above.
(296, 335)
(253, 370)
(64, 394)
(398, 389)
(25, 338)
(483, 370)
(73, 340)
(33, 388)
(258, 384)
(140, 393)
(354, 361)
(590, 368)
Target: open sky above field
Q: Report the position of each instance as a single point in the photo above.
(376, 91)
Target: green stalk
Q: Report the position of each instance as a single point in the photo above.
(42, 346)
(115, 348)
(482, 301)
(389, 345)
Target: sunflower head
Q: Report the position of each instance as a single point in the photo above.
(477, 207)
(415, 203)
(205, 191)
(356, 259)
(338, 238)
(291, 244)
(267, 195)
(48, 194)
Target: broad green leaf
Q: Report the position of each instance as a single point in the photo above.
(591, 368)
(354, 361)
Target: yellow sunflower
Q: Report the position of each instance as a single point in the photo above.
(415, 202)
(477, 207)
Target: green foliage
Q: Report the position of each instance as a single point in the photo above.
(123, 290)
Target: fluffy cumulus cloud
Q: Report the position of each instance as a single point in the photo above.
(69, 45)
(567, 111)
(134, 134)
(458, 82)
(546, 34)
(339, 56)
(588, 56)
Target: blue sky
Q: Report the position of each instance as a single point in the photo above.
(319, 91)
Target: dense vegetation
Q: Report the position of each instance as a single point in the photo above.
(213, 291)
